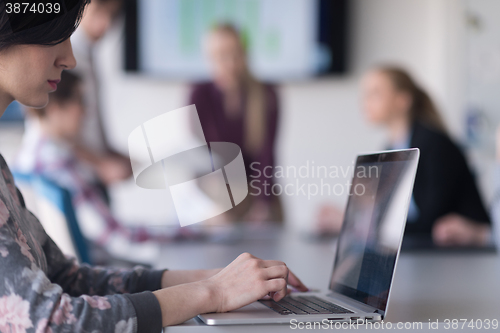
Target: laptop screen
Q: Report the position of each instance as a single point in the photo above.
(373, 226)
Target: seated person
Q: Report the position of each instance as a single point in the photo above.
(236, 107)
(48, 150)
(41, 289)
(108, 165)
(446, 205)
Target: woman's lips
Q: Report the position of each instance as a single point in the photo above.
(53, 83)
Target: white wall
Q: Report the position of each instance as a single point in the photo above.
(320, 119)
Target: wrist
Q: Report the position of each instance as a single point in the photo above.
(209, 296)
(185, 301)
(164, 279)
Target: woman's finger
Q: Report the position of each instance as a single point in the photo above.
(270, 263)
(295, 282)
(277, 288)
(275, 272)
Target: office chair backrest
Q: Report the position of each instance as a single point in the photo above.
(56, 213)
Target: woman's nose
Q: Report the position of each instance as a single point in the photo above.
(66, 59)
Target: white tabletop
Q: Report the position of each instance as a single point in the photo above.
(428, 286)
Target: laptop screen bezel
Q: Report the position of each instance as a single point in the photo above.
(405, 155)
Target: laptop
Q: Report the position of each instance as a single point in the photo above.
(367, 251)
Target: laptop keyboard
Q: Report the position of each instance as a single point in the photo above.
(303, 305)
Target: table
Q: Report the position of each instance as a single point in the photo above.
(427, 285)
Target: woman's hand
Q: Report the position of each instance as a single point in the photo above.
(111, 167)
(457, 230)
(245, 280)
(248, 279)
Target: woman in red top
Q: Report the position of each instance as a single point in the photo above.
(237, 108)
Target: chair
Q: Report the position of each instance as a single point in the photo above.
(56, 213)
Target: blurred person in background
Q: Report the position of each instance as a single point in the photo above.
(446, 205)
(49, 151)
(236, 107)
(91, 146)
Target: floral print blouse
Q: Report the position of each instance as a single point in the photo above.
(41, 290)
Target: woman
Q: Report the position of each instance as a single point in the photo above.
(446, 207)
(235, 107)
(446, 204)
(44, 291)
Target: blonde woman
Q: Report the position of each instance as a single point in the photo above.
(446, 206)
(237, 108)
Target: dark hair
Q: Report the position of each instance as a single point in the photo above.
(106, 1)
(66, 91)
(39, 28)
(422, 108)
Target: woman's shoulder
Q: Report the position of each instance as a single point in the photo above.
(201, 91)
(428, 136)
(201, 86)
(434, 142)
(5, 172)
(270, 87)
(271, 93)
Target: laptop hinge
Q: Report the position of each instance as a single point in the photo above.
(355, 303)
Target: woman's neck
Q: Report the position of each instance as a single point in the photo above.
(227, 85)
(399, 129)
